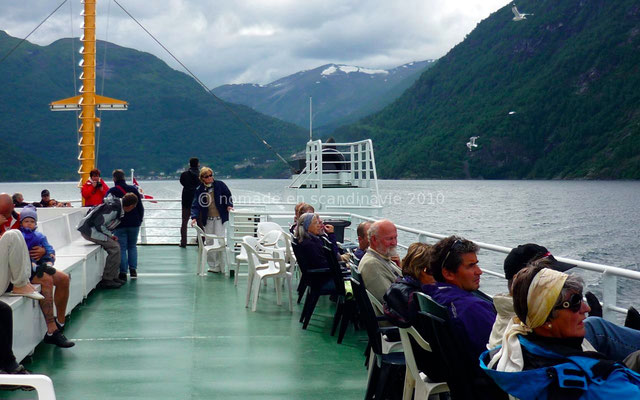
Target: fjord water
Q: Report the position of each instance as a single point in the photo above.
(596, 221)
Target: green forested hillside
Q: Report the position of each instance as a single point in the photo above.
(571, 74)
(170, 117)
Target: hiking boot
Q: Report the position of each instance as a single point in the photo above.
(133, 273)
(594, 304)
(104, 284)
(633, 319)
(123, 276)
(19, 370)
(58, 339)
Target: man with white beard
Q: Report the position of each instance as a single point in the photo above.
(378, 267)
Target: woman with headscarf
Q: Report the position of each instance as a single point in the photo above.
(310, 238)
(541, 355)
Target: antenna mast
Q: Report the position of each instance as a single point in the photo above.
(310, 119)
(87, 101)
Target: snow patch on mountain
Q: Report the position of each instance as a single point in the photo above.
(347, 69)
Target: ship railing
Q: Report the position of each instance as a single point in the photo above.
(349, 164)
(608, 275)
(162, 226)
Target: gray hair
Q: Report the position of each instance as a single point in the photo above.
(573, 284)
(301, 233)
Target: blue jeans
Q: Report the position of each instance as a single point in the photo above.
(127, 238)
(614, 341)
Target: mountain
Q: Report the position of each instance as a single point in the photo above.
(170, 117)
(552, 96)
(341, 93)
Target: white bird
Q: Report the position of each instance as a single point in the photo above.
(472, 142)
(517, 15)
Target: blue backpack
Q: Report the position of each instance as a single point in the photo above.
(573, 372)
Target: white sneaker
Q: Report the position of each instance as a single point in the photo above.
(215, 270)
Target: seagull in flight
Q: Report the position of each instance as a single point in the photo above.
(517, 15)
(472, 142)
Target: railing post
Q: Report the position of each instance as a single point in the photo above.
(143, 233)
(422, 238)
(609, 295)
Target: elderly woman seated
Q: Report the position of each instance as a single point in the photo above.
(310, 236)
(398, 300)
(541, 355)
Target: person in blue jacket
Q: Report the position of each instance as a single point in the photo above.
(129, 227)
(210, 208)
(541, 354)
(454, 265)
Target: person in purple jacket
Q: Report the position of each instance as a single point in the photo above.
(454, 265)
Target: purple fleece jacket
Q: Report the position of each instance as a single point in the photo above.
(471, 317)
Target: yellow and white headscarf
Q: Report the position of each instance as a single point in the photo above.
(543, 292)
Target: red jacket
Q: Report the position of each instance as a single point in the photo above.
(12, 223)
(93, 196)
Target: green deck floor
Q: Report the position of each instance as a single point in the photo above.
(174, 335)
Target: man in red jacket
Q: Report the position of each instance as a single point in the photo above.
(94, 189)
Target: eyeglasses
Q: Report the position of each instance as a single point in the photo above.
(457, 243)
(574, 303)
(207, 176)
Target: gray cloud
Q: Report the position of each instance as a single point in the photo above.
(259, 41)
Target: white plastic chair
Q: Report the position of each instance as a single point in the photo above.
(42, 384)
(242, 257)
(267, 226)
(416, 382)
(218, 245)
(276, 269)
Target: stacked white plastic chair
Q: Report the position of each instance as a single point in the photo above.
(218, 245)
(267, 226)
(261, 267)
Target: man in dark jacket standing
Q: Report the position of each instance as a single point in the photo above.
(189, 181)
(127, 231)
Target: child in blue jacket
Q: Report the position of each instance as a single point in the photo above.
(33, 238)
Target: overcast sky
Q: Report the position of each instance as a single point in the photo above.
(259, 41)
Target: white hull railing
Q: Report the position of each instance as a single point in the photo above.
(161, 221)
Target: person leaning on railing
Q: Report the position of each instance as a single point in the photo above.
(541, 355)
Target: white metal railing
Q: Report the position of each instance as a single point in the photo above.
(244, 219)
(341, 164)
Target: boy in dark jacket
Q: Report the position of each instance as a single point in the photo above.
(97, 227)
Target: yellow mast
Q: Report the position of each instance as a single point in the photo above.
(88, 100)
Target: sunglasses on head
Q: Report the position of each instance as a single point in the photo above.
(457, 243)
(573, 303)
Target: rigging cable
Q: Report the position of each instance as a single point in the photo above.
(223, 103)
(34, 29)
(73, 61)
(104, 71)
